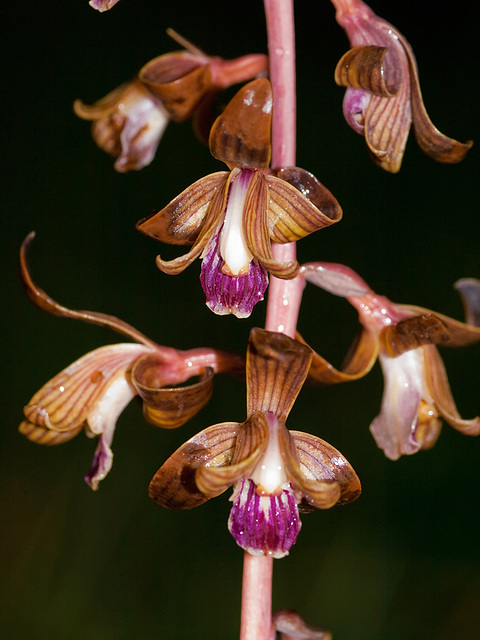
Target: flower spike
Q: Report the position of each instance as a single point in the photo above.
(232, 218)
(92, 392)
(275, 473)
(417, 395)
(383, 94)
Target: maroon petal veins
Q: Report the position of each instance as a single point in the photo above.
(264, 525)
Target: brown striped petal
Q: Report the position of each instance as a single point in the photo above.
(251, 442)
(387, 125)
(291, 215)
(440, 389)
(65, 402)
(432, 142)
(180, 222)
(359, 361)
(179, 79)
(241, 135)
(276, 370)
(319, 461)
(46, 436)
(174, 486)
(256, 226)
(320, 491)
(169, 407)
(363, 68)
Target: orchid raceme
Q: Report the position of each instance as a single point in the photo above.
(129, 122)
(383, 91)
(92, 392)
(417, 394)
(275, 473)
(232, 217)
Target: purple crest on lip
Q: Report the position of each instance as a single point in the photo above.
(231, 294)
(264, 525)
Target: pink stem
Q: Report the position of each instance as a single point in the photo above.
(284, 295)
(256, 623)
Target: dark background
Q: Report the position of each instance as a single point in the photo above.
(401, 562)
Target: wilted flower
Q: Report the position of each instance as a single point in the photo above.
(383, 94)
(232, 217)
(102, 5)
(275, 473)
(129, 122)
(92, 392)
(417, 395)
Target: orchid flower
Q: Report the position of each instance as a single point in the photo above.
(92, 392)
(417, 394)
(383, 91)
(102, 5)
(275, 473)
(232, 217)
(129, 122)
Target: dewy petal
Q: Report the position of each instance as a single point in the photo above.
(409, 420)
(264, 525)
(169, 407)
(66, 401)
(276, 370)
(174, 486)
(438, 383)
(241, 135)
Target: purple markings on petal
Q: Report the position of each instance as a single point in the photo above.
(102, 463)
(231, 294)
(264, 525)
(355, 104)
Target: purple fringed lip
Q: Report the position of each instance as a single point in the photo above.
(264, 525)
(231, 294)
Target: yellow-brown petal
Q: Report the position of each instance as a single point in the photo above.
(412, 333)
(46, 436)
(42, 300)
(251, 442)
(291, 215)
(440, 389)
(127, 92)
(241, 135)
(320, 462)
(181, 220)
(276, 370)
(64, 403)
(432, 142)
(358, 362)
(169, 407)
(256, 226)
(179, 79)
(174, 486)
(387, 125)
(363, 68)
